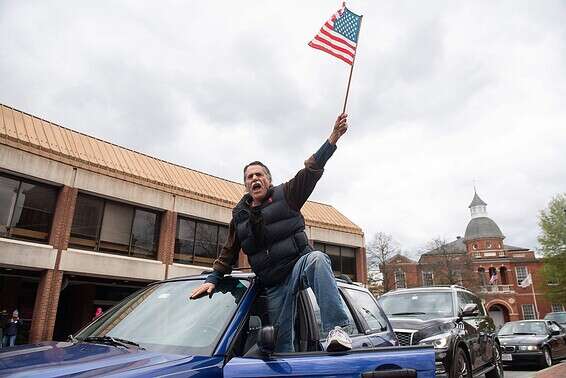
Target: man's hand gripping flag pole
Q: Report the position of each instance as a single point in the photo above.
(339, 38)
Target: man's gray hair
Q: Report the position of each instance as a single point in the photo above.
(257, 162)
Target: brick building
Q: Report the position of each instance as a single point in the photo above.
(482, 262)
(84, 223)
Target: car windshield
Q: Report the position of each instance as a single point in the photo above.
(559, 317)
(420, 305)
(161, 318)
(523, 328)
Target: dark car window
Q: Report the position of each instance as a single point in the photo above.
(523, 328)
(554, 327)
(559, 317)
(368, 309)
(352, 330)
(464, 298)
(160, 318)
(429, 305)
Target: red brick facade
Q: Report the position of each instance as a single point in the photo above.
(489, 267)
(47, 296)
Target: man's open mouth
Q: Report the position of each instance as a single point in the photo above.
(256, 185)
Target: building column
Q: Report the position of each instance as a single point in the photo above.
(45, 307)
(47, 296)
(167, 234)
(361, 265)
(63, 218)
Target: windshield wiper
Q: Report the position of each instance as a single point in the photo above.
(409, 313)
(114, 341)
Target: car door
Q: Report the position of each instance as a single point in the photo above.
(376, 362)
(557, 341)
(474, 332)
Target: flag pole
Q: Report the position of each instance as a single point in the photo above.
(352, 68)
(534, 296)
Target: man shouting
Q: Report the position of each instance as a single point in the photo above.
(268, 226)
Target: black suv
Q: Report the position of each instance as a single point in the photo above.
(454, 321)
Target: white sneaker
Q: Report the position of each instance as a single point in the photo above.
(338, 340)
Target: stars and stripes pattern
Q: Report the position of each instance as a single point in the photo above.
(339, 35)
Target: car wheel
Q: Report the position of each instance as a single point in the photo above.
(497, 372)
(460, 365)
(546, 360)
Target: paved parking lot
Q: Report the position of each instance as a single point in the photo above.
(522, 372)
(527, 372)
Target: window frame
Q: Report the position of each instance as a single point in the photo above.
(196, 221)
(10, 227)
(554, 307)
(531, 307)
(517, 268)
(321, 246)
(423, 276)
(397, 281)
(97, 240)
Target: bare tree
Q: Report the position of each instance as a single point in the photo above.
(449, 264)
(380, 249)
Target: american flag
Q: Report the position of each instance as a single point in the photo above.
(339, 35)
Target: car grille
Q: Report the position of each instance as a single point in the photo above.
(508, 349)
(404, 338)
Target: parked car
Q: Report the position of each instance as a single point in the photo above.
(532, 341)
(454, 321)
(559, 317)
(158, 331)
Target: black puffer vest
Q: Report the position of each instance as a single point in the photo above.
(271, 235)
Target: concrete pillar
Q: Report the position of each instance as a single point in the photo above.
(167, 234)
(63, 218)
(45, 307)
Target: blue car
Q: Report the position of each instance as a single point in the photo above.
(159, 332)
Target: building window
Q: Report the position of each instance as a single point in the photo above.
(26, 209)
(458, 278)
(489, 245)
(481, 275)
(522, 273)
(400, 279)
(343, 259)
(557, 307)
(107, 226)
(528, 311)
(198, 242)
(428, 279)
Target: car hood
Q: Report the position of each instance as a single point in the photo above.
(521, 339)
(55, 359)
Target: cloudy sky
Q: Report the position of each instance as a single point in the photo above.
(445, 94)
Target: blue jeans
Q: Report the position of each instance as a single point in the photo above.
(9, 341)
(311, 270)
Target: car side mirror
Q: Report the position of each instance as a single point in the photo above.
(266, 340)
(470, 309)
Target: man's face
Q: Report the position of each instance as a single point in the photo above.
(257, 182)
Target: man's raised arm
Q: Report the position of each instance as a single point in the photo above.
(299, 188)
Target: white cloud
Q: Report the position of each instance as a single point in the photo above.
(444, 93)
